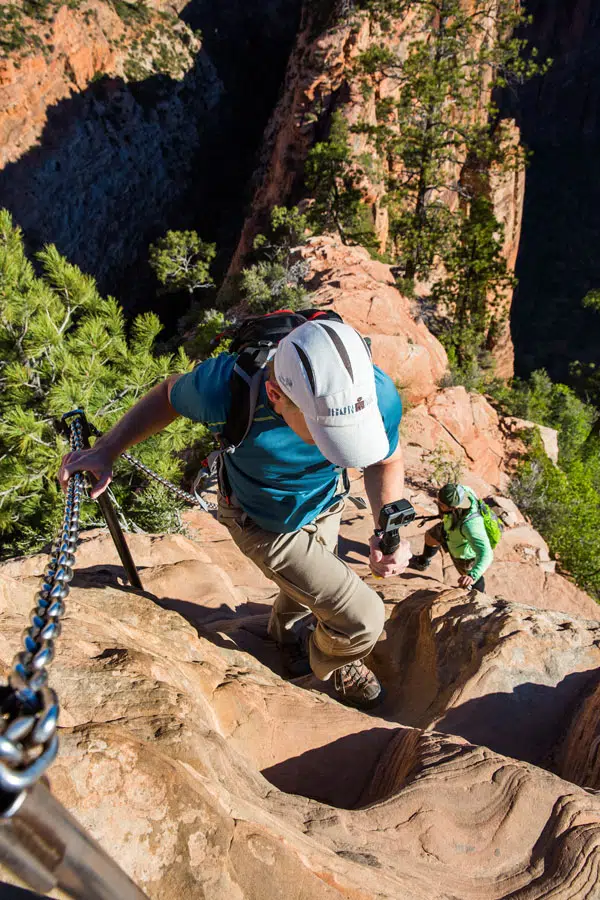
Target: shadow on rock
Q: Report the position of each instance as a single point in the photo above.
(110, 168)
(337, 773)
(347, 546)
(526, 723)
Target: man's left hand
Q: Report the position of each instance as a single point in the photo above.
(386, 566)
(465, 581)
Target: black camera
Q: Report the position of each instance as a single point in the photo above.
(392, 517)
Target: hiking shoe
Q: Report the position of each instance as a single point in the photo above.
(357, 686)
(419, 563)
(294, 657)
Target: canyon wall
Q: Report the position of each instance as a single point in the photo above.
(99, 129)
(558, 263)
(204, 773)
(320, 79)
(118, 125)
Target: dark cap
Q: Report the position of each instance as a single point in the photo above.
(455, 496)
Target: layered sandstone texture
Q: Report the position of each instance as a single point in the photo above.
(101, 114)
(317, 70)
(64, 52)
(204, 774)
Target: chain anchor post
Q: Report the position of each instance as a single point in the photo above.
(106, 506)
(47, 848)
(39, 840)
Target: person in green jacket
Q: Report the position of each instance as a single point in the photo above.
(462, 533)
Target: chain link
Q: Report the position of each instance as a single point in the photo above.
(28, 707)
(29, 711)
(194, 499)
(179, 492)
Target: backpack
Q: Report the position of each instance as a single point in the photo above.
(255, 340)
(494, 526)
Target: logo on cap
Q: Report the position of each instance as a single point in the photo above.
(352, 408)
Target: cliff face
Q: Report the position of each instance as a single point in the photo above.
(204, 773)
(115, 126)
(317, 74)
(320, 79)
(507, 193)
(73, 47)
(558, 260)
(99, 128)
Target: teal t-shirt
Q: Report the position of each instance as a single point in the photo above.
(279, 480)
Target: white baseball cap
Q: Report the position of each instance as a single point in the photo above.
(325, 368)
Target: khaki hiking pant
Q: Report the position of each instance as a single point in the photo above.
(350, 615)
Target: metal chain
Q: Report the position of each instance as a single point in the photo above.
(194, 499)
(179, 492)
(29, 711)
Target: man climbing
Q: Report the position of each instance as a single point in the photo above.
(462, 533)
(322, 407)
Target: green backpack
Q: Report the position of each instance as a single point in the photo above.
(493, 524)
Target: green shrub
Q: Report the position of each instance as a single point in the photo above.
(563, 505)
(207, 324)
(13, 33)
(267, 286)
(131, 13)
(181, 261)
(541, 400)
(276, 277)
(64, 346)
(334, 179)
(443, 466)
(562, 501)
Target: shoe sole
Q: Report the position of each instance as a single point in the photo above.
(362, 705)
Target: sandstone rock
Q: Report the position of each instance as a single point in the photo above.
(522, 571)
(498, 674)
(507, 193)
(549, 436)
(203, 774)
(88, 129)
(79, 45)
(453, 433)
(317, 68)
(321, 78)
(578, 759)
(362, 291)
(508, 511)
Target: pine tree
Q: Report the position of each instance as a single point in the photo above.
(474, 285)
(63, 346)
(457, 54)
(275, 279)
(181, 261)
(334, 182)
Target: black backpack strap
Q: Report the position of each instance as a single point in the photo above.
(271, 328)
(245, 383)
(255, 340)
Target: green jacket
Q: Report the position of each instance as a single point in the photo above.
(467, 537)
